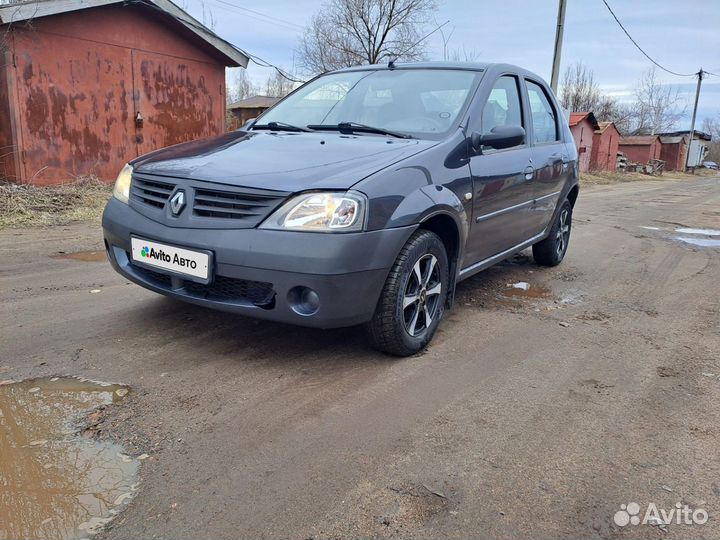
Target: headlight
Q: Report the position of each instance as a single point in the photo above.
(121, 191)
(320, 212)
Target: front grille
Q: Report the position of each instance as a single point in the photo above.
(225, 288)
(151, 191)
(213, 205)
(222, 288)
(249, 206)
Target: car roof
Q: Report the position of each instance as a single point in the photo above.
(470, 66)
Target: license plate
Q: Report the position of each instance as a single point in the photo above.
(174, 259)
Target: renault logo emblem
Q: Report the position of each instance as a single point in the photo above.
(177, 203)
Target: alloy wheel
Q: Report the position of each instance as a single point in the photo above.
(422, 295)
(563, 233)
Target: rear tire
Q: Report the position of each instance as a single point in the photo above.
(551, 251)
(413, 299)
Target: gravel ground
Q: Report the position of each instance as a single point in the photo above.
(534, 414)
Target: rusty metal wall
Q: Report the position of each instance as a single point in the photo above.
(583, 135)
(81, 81)
(178, 99)
(641, 153)
(7, 153)
(674, 155)
(604, 150)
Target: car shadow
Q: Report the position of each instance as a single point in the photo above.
(167, 322)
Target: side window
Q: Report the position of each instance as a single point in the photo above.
(503, 105)
(544, 118)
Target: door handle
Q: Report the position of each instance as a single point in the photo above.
(529, 172)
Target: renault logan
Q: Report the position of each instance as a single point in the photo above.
(363, 197)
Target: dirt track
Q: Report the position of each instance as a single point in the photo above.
(510, 425)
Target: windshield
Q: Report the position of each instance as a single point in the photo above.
(417, 102)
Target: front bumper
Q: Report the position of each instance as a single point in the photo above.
(256, 271)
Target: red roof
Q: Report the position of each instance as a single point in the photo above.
(639, 140)
(577, 117)
(604, 126)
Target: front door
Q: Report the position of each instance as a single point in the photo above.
(502, 179)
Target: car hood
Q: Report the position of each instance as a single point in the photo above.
(282, 161)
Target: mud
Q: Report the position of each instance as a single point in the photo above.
(55, 483)
(84, 256)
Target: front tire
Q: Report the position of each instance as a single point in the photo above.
(551, 251)
(413, 298)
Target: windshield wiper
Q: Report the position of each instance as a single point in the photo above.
(354, 127)
(279, 126)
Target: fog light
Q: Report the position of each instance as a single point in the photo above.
(303, 300)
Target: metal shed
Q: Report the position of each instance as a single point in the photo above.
(605, 147)
(252, 107)
(641, 148)
(582, 126)
(86, 85)
(674, 152)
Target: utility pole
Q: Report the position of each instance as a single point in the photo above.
(692, 122)
(558, 45)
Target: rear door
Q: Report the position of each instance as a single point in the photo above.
(502, 179)
(549, 154)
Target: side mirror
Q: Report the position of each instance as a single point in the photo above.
(499, 137)
(248, 123)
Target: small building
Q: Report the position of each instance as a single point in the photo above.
(606, 140)
(86, 85)
(582, 126)
(641, 148)
(674, 152)
(698, 146)
(249, 108)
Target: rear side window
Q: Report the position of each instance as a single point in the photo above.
(544, 117)
(503, 106)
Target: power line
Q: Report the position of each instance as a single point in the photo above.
(256, 59)
(641, 49)
(265, 18)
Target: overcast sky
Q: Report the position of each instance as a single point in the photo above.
(682, 35)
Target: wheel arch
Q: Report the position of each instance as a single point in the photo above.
(446, 228)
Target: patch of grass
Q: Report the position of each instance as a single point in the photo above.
(23, 205)
(614, 177)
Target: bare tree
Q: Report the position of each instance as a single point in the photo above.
(657, 107)
(345, 33)
(278, 85)
(239, 85)
(711, 126)
(579, 92)
(208, 17)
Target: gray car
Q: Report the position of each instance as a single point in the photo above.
(363, 197)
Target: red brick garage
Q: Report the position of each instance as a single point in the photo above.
(88, 85)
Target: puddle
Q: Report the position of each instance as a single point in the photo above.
(701, 242)
(526, 290)
(85, 256)
(55, 484)
(705, 232)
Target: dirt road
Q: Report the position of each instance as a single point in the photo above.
(534, 414)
